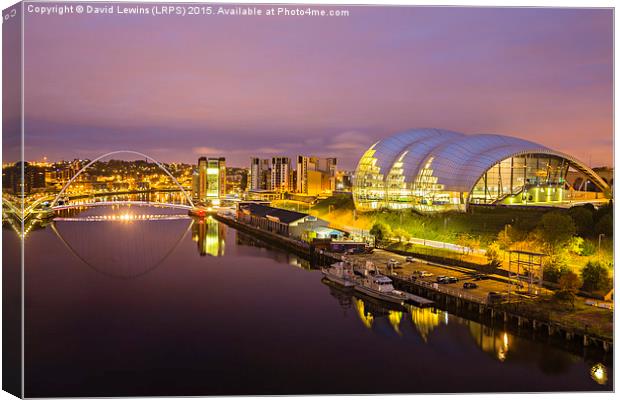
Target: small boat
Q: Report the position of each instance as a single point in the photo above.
(340, 273)
(380, 287)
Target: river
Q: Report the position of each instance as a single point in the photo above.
(139, 301)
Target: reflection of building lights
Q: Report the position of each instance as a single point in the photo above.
(599, 373)
(395, 317)
(502, 352)
(424, 320)
(365, 317)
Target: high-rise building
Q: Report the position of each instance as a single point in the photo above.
(316, 175)
(280, 174)
(211, 178)
(260, 174)
(202, 178)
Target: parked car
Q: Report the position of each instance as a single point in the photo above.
(480, 277)
(452, 279)
(469, 285)
(409, 259)
(442, 279)
(425, 274)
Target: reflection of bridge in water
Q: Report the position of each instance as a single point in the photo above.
(122, 245)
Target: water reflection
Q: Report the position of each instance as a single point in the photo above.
(255, 304)
(365, 316)
(369, 311)
(395, 317)
(598, 372)
(210, 236)
(127, 245)
(490, 340)
(243, 239)
(425, 320)
(493, 341)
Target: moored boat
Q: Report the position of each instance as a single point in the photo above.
(340, 273)
(380, 287)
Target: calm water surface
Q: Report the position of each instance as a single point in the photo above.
(119, 306)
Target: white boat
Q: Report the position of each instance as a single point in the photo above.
(380, 287)
(340, 273)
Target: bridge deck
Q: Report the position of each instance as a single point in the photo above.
(115, 203)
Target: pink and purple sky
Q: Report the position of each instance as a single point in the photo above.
(177, 88)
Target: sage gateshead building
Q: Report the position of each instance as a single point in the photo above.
(439, 170)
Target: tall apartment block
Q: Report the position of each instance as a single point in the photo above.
(316, 175)
(260, 174)
(280, 174)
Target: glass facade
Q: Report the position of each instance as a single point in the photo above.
(434, 170)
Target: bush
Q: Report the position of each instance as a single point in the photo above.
(588, 248)
(575, 245)
(595, 277)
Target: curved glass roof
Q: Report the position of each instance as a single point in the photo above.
(456, 160)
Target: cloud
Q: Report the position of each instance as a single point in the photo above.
(349, 140)
(266, 150)
(214, 151)
(208, 151)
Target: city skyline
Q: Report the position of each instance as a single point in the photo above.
(339, 88)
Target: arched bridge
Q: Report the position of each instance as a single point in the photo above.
(54, 204)
(116, 203)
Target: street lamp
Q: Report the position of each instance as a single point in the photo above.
(599, 243)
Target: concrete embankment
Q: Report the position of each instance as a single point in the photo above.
(298, 247)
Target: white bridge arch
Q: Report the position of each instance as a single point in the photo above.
(160, 165)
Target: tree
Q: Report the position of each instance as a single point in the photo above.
(569, 286)
(468, 243)
(504, 239)
(401, 234)
(381, 231)
(556, 229)
(494, 257)
(605, 225)
(493, 253)
(583, 218)
(595, 277)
